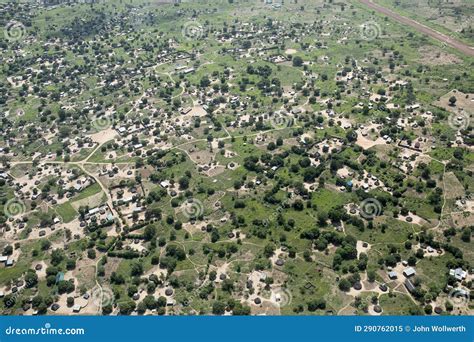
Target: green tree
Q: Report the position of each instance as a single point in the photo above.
(150, 232)
(218, 308)
(297, 61)
(344, 285)
(452, 100)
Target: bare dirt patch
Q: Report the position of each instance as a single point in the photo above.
(434, 56)
(200, 156)
(463, 101)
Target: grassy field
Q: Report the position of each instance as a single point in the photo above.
(67, 212)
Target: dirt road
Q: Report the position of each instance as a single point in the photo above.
(464, 48)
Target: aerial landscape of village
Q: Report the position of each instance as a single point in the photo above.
(237, 157)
